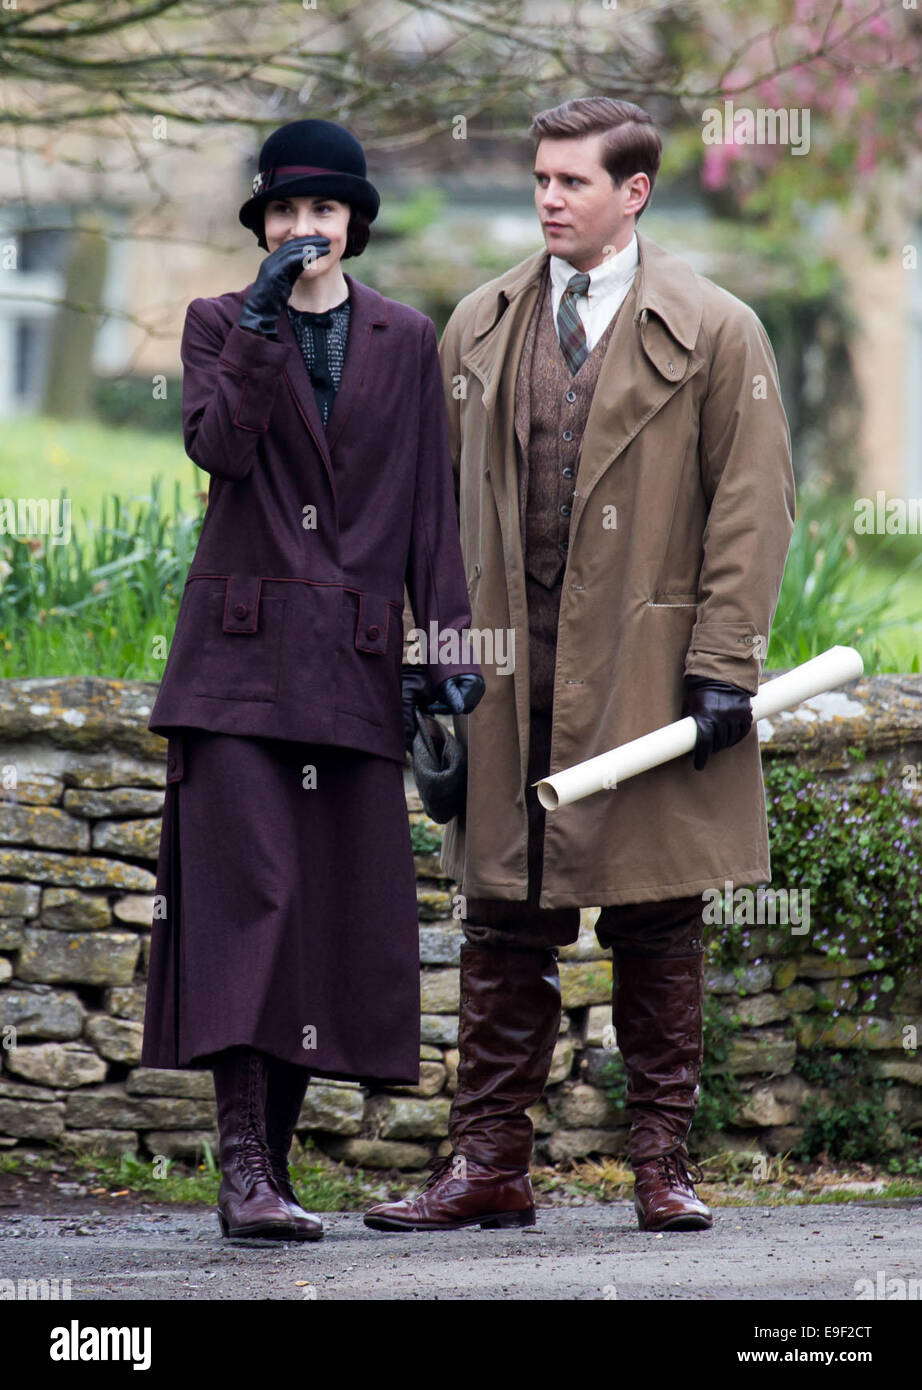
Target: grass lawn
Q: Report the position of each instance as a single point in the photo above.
(904, 639)
(95, 462)
(39, 457)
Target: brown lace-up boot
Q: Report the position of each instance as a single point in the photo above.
(508, 1025)
(285, 1092)
(249, 1202)
(657, 1013)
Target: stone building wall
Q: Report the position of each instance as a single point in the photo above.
(81, 794)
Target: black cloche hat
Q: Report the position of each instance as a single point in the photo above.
(309, 157)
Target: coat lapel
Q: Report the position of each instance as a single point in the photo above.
(500, 329)
(369, 310)
(649, 356)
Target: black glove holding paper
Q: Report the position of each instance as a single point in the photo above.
(722, 712)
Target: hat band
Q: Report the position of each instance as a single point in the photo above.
(266, 178)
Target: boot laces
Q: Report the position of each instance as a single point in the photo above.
(254, 1156)
(255, 1160)
(680, 1171)
(438, 1168)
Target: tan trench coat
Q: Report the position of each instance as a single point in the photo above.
(688, 442)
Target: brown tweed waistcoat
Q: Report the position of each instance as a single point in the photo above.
(551, 408)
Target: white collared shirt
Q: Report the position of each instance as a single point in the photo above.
(609, 283)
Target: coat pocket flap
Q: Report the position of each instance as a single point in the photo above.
(174, 758)
(241, 603)
(372, 624)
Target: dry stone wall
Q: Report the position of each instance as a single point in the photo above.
(81, 795)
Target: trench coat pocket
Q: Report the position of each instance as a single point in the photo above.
(673, 601)
(242, 640)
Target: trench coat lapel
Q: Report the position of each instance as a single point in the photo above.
(500, 329)
(368, 311)
(649, 356)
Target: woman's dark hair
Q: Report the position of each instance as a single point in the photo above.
(357, 233)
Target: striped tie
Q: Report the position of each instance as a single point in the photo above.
(570, 328)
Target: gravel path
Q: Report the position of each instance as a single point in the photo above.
(589, 1252)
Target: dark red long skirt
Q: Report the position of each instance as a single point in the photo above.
(291, 920)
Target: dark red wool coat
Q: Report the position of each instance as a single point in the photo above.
(289, 907)
(290, 621)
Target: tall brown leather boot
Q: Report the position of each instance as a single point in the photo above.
(657, 1011)
(508, 1025)
(285, 1092)
(249, 1202)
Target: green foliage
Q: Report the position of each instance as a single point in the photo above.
(95, 608)
(826, 598)
(614, 1084)
(321, 1184)
(720, 1094)
(128, 400)
(853, 1125)
(857, 850)
(95, 605)
(424, 837)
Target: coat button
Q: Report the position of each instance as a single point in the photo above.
(372, 632)
(240, 610)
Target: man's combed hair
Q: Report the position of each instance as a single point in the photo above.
(632, 143)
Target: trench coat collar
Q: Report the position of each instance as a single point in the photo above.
(368, 311)
(666, 287)
(650, 354)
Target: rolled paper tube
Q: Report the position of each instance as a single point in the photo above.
(607, 770)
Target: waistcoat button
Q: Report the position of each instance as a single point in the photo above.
(565, 510)
(568, 435)
(567, 472)
(571, 396)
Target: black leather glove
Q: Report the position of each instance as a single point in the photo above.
(458, 695)
(723, 713)
(415, 690)
(273, 284)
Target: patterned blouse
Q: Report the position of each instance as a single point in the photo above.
(322, 339)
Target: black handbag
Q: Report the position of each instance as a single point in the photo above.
(439, 767)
